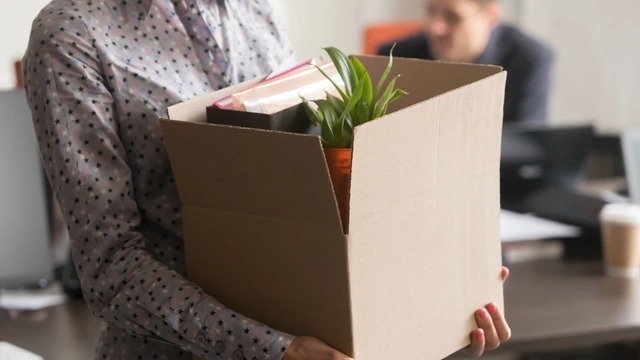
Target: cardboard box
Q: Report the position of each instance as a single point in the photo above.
(423, 250)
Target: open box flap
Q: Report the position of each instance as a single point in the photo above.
(439, 134)
(426, 177)
(264, 173)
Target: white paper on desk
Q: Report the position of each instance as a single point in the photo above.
(12, 352)
(524, 227)
(32, 299)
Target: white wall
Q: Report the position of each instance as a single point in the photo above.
(312, 27)
(597, 75)
(14, 34)
(512, 10)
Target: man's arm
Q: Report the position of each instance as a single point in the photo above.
(77, 130)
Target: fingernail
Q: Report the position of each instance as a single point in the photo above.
(483, 314)
(492, 308)
(480, 335)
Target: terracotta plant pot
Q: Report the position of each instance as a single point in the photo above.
(339, 163)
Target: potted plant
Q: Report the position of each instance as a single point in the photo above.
(359, 102)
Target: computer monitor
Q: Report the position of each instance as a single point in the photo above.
(536, 157)
(25, 252)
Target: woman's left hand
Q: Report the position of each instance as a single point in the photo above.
(492, 327)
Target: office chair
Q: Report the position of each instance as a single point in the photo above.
(376, 35)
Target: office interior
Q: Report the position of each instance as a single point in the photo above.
(555, 179)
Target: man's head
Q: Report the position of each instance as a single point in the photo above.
(459, 30)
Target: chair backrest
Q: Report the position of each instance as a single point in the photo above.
(376, 35)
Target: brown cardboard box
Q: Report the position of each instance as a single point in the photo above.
(423, 248)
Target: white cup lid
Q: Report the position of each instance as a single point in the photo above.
(625, 213)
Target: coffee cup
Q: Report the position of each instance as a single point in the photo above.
(620, 223)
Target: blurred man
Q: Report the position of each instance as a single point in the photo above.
(470, 31)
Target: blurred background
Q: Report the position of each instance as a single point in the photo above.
(596, 73)
(559, 301)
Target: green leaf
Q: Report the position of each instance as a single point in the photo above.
(342, 94)
(337, 104)
(336, 131)
(353, 101)
(397, 94)
(363, 113)
(330, 120)
(363, 75)
(327, 111)
(383, 102)
(348, 121)
(343, 133)
(344, 67)
(385, 73)
(347, 137)
(340, 107)
(315, 118)
(327, 135)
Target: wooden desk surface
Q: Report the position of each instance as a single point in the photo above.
(550, 306)
(557, 305)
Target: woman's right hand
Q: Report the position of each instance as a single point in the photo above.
(309, 348)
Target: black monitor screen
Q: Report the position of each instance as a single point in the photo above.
(537, 157)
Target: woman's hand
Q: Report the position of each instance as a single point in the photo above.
(492, 327)
(309, 348)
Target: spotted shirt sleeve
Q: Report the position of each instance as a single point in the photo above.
(77, 129)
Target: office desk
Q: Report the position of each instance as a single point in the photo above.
(557, 305)
(550, 306)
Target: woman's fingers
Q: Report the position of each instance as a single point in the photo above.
(477, 343)
(505, 273)
(485, 322)
(499, 322)
(493, 328)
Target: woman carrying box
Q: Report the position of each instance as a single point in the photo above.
(98, 75)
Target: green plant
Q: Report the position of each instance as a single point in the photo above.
(359, 101)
